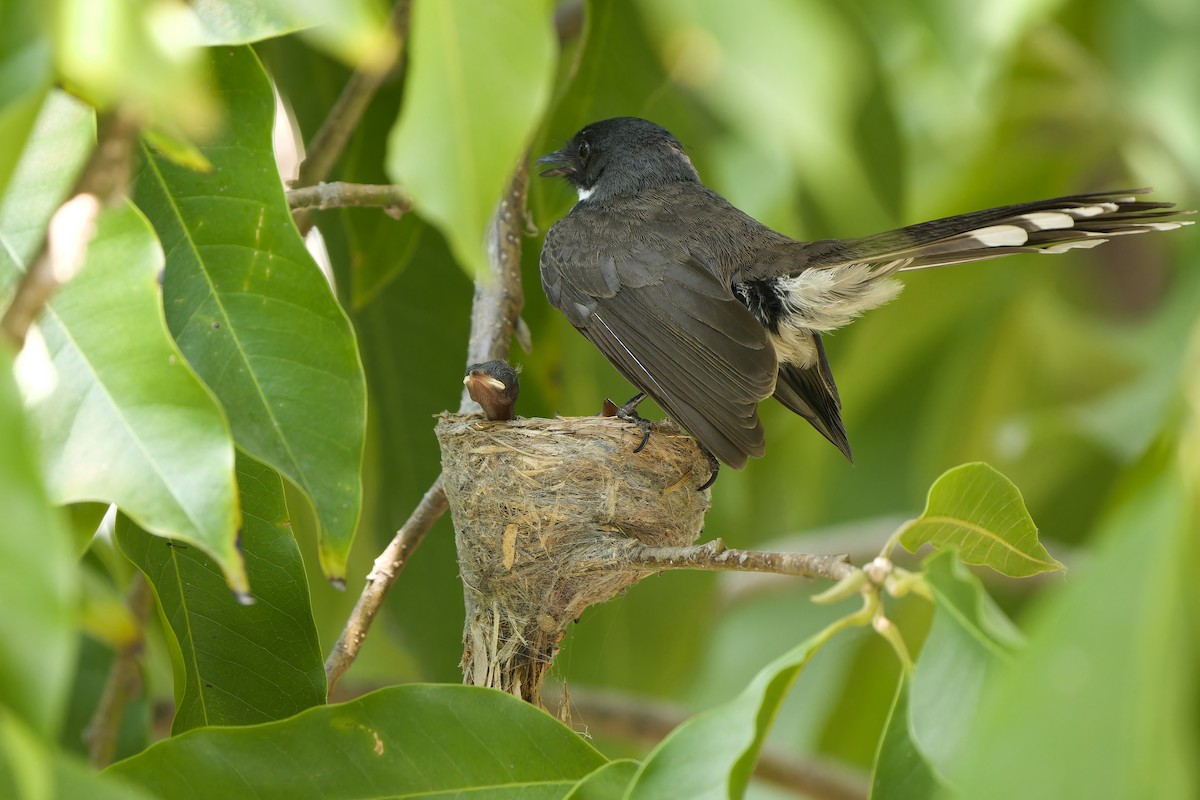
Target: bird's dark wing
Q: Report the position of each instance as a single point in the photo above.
(1046, 226)
(811, 393)
(670, 327)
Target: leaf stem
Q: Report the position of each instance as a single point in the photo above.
(330, 140)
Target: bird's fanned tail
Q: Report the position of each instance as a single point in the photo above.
(1043, 226)
(837, 280)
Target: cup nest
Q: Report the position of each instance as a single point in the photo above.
(544, 512)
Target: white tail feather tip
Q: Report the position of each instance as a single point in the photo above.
(1063, 247)
(1048, 220)
(1000, 236)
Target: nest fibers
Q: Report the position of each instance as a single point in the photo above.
(545, 512)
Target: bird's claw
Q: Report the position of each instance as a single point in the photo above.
(713, 464)
(628, 412)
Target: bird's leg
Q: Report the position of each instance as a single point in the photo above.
(628, 412)
(713, 464)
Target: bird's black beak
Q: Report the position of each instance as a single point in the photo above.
(560, 162)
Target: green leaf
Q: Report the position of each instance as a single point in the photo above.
(253, 313)
(26, 75)
(968, 642)
(402, 741)
(137, 54)
(713, 753)
(377, 266)
(608, 781)
(478, 80)
(60, 144)
(37, 576)
(353, 30)
(121, 417)
(104, 381)
(29, 770)
(241, 664)
(1102, 701)
(975, 510)
(900, 771)
(741, 58)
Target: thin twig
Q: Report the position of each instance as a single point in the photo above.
(327, 145)
(626, 716)
(497, 304)
(102, 183)
(387, 567)
(714, 555)
(124, 680)
(340, 194)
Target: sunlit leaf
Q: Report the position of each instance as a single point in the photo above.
(406, 741)
(253, 313)
(58, 148)
(242, 664)
(37, 570)
(353, 30)
(478, 78)
(120, 416)
(136, 54)
(977, 511)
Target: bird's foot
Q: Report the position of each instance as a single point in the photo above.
(713, 464)
(628, 412)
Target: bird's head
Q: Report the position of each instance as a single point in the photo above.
(619, 157)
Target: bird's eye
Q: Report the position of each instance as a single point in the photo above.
(585, 149)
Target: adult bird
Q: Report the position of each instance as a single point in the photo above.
(710, 312)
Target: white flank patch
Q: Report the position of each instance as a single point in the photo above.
(827, 299)
(1000, 236)
(584, 194)
(1048, 220)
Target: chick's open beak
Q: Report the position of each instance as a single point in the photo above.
(486, 380)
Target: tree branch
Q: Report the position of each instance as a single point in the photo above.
(102, 183)
(340, 194)
(124, 680)
(495, 308)
(714, 556)
(327, 145)
(388, 566)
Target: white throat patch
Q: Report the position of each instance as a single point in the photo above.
(584, 194)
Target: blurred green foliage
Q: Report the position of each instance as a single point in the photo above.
(1078, 377)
